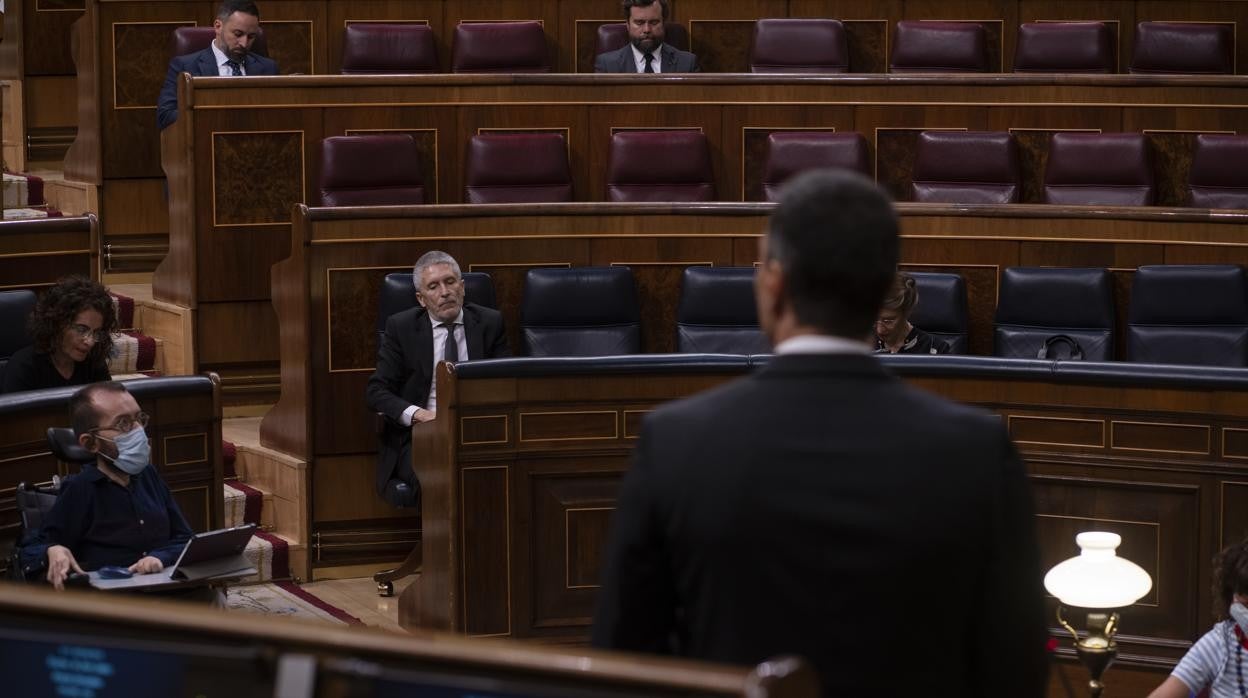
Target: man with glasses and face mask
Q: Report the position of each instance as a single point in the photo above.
(118, 511)
(442, 327)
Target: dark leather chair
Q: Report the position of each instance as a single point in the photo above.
(15, 309)
(582, 311)
(499, 47)
(1099, 169)
(375, 170)
(1193, 48)
(397, 294)
(514, 168)
(1065, 47)
(799, 46)
(717, 314)
(613, 36)
(790, 153)
(672, 165)
(941, 310)
(191, 39)
(64, 445)
(1181, 314)
(1218, 178)
(966, 167)
(939, 47)
(377, 48)
(1037, 304)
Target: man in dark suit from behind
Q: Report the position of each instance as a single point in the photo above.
(237, 26)
(824, 508)
(646, 52)
(402, 387)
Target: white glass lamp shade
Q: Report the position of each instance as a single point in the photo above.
(1098, 578)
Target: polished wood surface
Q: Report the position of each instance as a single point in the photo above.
(106, 620)
(35, 253)
(185, 432)
(517, 499)
(325, 297)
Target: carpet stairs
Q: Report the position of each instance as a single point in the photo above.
(133, 351)
(268, 552)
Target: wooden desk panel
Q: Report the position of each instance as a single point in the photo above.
(511, 490)
(35, 253)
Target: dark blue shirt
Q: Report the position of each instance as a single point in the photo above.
(103, 523)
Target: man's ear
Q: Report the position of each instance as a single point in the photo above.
(420, 299)
(89, 442)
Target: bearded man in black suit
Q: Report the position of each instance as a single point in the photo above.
(645, 51)
(237, 26)
(441, 328)
(824, 508)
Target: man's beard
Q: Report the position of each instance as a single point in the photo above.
(237, 54)
(641, 44)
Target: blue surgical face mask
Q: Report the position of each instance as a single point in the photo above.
(1240, 614)
(133, 452)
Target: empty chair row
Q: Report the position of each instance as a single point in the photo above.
(381, 170)
(957, 167)
(1104, 169)
(1178, 314)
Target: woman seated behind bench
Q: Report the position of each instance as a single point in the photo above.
(893, 332)
(72, 327)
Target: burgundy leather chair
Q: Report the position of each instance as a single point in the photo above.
(966, 167)
(1184, 47)
(499, 47)
(370, 48)
(612, 37)
(517, 168)
(376, 170)
(191, 39)
(1218, 178)
(939, 47)
(660, 166)
(799, 46)
(1099, 169)
(1064, 47)
(790, 153)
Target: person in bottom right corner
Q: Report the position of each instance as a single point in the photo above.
(1219, 659)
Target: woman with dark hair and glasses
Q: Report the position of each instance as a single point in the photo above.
(72, 328)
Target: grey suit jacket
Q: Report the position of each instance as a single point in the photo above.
(621, 61)
(201, 63)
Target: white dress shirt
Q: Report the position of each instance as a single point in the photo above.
(439, 354)
(821, 344)
(640, 59)
(223, 62)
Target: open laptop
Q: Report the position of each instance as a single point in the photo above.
(208, 555)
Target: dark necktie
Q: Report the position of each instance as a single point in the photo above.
(450, 351)
(235, 68)
(649, 62)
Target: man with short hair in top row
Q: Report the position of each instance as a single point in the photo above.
(646, 52)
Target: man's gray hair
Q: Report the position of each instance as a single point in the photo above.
(429, 259)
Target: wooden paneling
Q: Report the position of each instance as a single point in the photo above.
(1151, 480)
(35, 253)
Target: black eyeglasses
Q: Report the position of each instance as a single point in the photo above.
(125, 423)
(84, 332)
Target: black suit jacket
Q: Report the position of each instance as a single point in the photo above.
(404, 371)
(204, 64)
(621, 61)
(823, 508)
